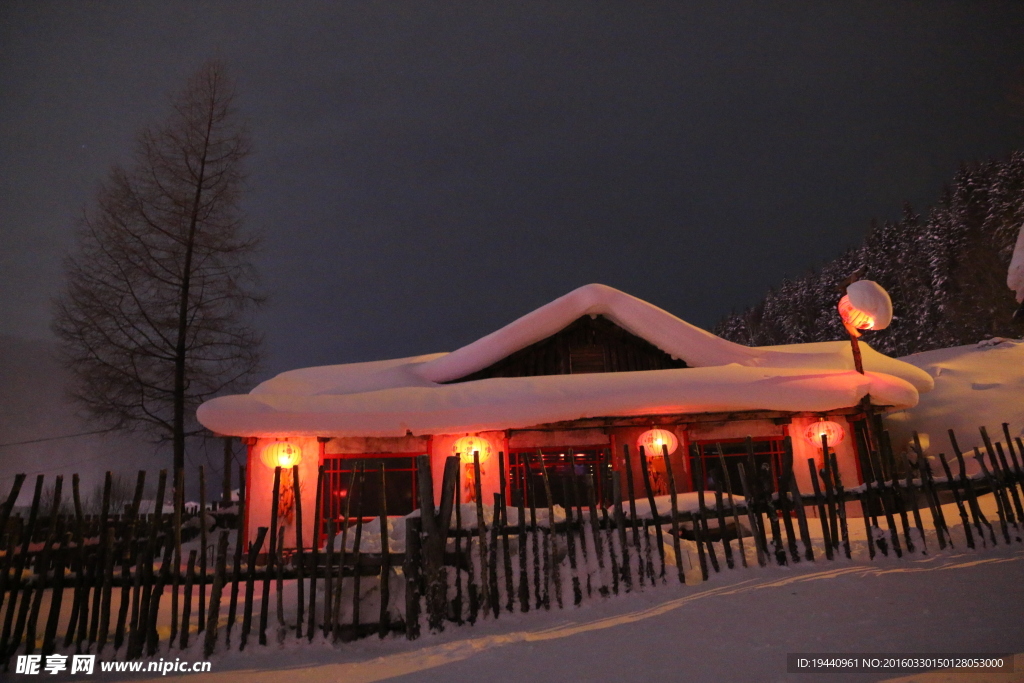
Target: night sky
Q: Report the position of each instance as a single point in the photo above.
(426, 172)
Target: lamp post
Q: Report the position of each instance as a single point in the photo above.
(865, 305)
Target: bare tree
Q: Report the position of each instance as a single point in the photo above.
(156, 315)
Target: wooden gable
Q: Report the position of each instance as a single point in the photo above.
(587, 345)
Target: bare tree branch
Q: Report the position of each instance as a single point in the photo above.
(156, 314)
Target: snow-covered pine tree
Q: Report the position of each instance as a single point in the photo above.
(946, 275)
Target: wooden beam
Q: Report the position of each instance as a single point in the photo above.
(685, 419)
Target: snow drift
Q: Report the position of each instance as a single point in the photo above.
(975, 385)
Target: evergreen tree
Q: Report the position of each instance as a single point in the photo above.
(946, 274)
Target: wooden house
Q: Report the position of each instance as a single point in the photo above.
(573, 384)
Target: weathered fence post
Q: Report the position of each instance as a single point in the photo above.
(186, 615)
(271, 556)
(972, 496)
(108, 579)
(954, 489)
(549, 551)
(215, 595)
(42, 567)
(411, 569)
(595, 533)
(645, 471)
(236, 568)
(333, 604)
(754, 519)
(384, 622)
(924, 470)
(318, 514)
(570, 543)
(481, 529)
(732, 505)
(300, 577)
(701, 519)
(819, 503)
(179, 504)
(632, 513)
(435, 532)
(250, 585)
(357, 574)
(203, 560)
(19, 568)
(837, 480)
(675, 513)
(785, 504)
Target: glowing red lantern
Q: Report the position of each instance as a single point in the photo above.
(467, 445)
(653, 441)
(855, 317)
(832, 430)
(281, 454)
(866, 306)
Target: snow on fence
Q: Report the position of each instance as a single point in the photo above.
(453, 563)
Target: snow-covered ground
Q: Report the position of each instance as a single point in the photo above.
(739, 625)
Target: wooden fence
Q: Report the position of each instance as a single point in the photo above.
(119, 570)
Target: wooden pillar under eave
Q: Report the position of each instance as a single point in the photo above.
(319, 523)
(225, 496)
(250, 443)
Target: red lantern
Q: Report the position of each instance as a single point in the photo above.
(653, 440)
(854, 317)
(467, 445)
(281, 454)
(865, 306)
(832, 430)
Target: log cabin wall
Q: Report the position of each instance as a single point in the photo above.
(588, 345)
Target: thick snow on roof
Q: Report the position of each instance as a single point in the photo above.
(699, 348)
(670, 334)
(393, 397)
(975, 385)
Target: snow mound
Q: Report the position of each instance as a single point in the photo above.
(687, 502)
(975, 385)
(370, 542)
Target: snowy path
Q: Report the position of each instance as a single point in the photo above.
(737, 626)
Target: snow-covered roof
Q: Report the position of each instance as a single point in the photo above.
(394, 397)
(675, 337)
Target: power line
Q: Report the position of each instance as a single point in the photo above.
(53, 438)
(58, 468)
